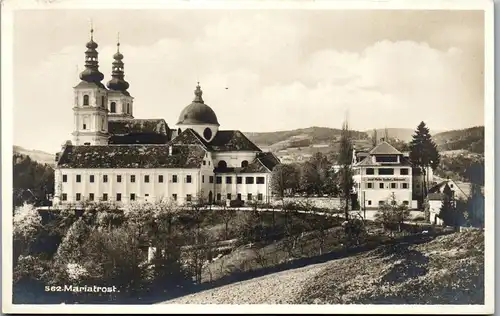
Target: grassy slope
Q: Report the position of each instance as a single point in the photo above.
(446, 270)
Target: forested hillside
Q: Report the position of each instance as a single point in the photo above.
(33, 182)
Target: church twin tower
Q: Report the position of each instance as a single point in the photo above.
(95, 104)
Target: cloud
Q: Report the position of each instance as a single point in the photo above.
(273, 82)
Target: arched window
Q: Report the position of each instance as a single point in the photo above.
(128, 108)
(222, 164)
(244, 163)
(102, 102)
(179, 131)
(85, 100)
(112, 107)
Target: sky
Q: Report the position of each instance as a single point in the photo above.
(260, 70)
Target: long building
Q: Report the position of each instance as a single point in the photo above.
(115, 157)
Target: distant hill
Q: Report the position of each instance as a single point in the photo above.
(470, 139)
(36, 155)
(403, 134)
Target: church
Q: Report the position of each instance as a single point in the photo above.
(114, 157)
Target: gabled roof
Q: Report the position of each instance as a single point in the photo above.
(268, 159)
(131, 156)
(263, 163)
(137, 126)
(232, 141)
(384, 148)
(223, 141)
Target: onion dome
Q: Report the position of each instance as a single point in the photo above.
(91, 72)
(198, 113)
(118, 82)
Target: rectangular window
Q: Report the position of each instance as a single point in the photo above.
(239, 180)
(239, 197)
(174, 197)
(146, 178)
(260, 180)
(211, 179)
(202, 178)
(132, 178)
(370, 171)
(160, 178)
(91, 178)
(64, 197)
(174, 178)
(132, 196)
(105, 178)
(84, 126)
(404, 185)
(91, 196)
(228, 196)
(118, 178)
(104, 196)
(381, 203)
(78, 196)
(381, 185)
(249, 180)
(118, 197)
(369, 185)
(249, 196)
(78, 178)
(204, 162)
(369, 202)
(393, 185)
(219, 197)
(404, 171)
(188, 178)
(65, 178)
(386, 158)
(229, 180)
(218, 180)
(260, 197)
(188, 197)
(386, 171)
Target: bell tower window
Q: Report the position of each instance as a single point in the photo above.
(113, 107)
(128, 108)
(102, 101)
(85, 99)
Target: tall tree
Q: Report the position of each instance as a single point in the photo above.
(346, 182)
(386, 134)
(424, 153)
(447, 211)
(310, 181)
(374, 138)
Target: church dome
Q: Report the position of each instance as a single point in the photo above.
(198, 113)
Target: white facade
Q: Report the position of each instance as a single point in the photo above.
(375, 187)
(90, 116)
(120, 106)
(434, 209)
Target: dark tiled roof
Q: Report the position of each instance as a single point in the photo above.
(436, 188)
(131, 156)
(137, 126)
(264, 162)
(435, 196)
(223, 141)
(142, 138)
(232, 141)
(385, 148)
(90, 85)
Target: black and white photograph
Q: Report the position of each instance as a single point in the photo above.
(180, 156)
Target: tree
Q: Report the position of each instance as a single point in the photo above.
(424, 153)
(32, 182)
(309, 178)
(374, 138)
(346, 182)
(227, 215)
(27, 224)
(392, 215)
(447, 212)
(284, 177)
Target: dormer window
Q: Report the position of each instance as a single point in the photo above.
(85, 99)
(244, 164)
